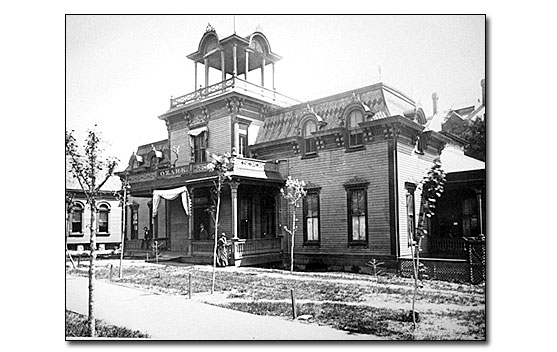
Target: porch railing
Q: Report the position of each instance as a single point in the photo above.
(240, 248)
(243, 248)
(233, 84)
(451, 247)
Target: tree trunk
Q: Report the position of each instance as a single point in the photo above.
(124, 201)
(93, 245)
(292, 241)
(66, 239)
(215, 245)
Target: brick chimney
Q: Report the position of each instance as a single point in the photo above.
(435, 98)
(482, 83)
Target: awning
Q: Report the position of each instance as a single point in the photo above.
(171, 194)
(197, 131)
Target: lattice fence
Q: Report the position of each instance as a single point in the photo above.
(438, 269)
(477, 262)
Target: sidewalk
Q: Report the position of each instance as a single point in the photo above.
(168, 317)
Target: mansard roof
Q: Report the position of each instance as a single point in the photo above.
(382, 101)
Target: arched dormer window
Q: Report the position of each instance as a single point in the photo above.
(310, 146)
(154, 162)
(103, 217)
(355, 135)
(77, 219)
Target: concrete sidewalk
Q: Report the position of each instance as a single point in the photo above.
(168, 317)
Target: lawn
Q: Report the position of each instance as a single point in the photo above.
(77, 326)
(345, 301)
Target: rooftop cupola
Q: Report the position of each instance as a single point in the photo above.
(234, 56)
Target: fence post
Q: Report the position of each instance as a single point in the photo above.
(294, 314)
(110, 274)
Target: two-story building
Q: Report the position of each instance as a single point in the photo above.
(362, 154)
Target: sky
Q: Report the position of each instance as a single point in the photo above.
(122, 70)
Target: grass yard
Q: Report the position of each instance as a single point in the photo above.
(77, 326)
(345, 301)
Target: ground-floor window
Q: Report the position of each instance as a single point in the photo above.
(311, 217)
(410, 212)
(357, 214)
(77, 218)
(135, 222)
(103, 218)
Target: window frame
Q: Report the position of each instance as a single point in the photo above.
(134, 228)
(307, 241)
(200, 148)
(354, 131)
(350, 191)
(309, 141)
(103, 208)
(81, 212)
(410, 207)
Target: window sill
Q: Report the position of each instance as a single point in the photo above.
(76, 234)
(312, 244)
(355, 148)
(103, 233)
(310, 156)
(358, 244)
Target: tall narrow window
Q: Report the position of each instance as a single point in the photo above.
(355, 135)
(469, 217)
(309, 141)
(357, 213)
(242, 144)
(135, 222)
(268, 210)
(77, 218)
(311, 218)
(410, 212)
(103, 218)
(199, 146)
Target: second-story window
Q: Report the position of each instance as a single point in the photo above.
(310, 146)
(355, 134)
(242, 144)
(199, 147)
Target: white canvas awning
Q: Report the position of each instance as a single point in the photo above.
(197, 131)
(171, 194)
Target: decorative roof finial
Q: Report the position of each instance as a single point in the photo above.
(209, 28)
(259, 28)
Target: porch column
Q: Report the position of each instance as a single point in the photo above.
(234, 193)
(263, 72)
(206, 62)
(247, 64)
(195, 67)
(480, 210)
(273, 78)
(235, 55)
(223, 69)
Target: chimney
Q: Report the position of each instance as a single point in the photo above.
(482, 83)
(435, 98)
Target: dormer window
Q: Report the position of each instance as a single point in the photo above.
(355, 134)
(310, 146)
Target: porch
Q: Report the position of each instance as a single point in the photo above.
(241, 252)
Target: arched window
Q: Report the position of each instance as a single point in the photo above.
(309, 141)
(77, 218)
(154, 162)
(104, 212)
(356, 136)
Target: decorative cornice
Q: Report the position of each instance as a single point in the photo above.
(355, 182)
